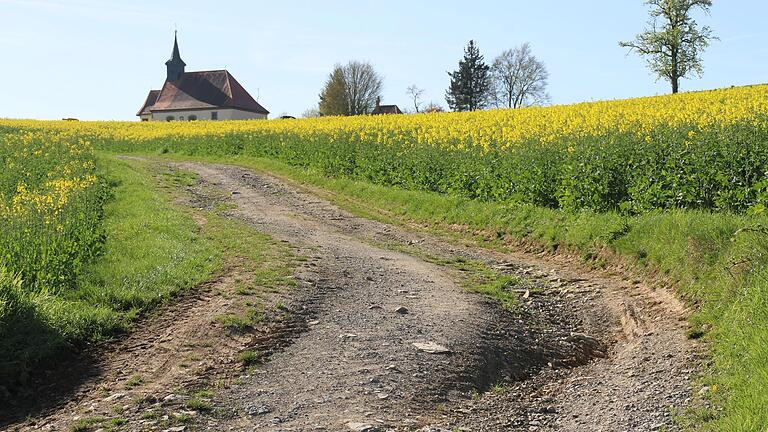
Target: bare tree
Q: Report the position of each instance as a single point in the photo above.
(520, 79)
(311, 112)
(351, 89)
(415, 94)
(673, 42)
(363, 86)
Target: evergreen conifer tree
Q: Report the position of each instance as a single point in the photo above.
(471, 83)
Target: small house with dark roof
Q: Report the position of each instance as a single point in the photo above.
(205, 95)
(386, 109)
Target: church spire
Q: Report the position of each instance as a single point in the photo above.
(175, 65)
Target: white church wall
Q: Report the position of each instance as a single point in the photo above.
(223, 114)
(236, 114)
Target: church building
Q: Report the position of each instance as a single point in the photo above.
(205, 95)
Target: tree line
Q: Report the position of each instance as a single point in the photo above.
(672, 45)
(516, 78)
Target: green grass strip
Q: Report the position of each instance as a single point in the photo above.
(153, 251)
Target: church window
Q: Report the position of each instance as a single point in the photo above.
(169, 118)
(192, 117)
(214, 115)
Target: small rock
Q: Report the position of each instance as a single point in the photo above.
(259, 410)
(431, 348)
(348, 336)
(314, 322)
(114, 397)
(375, 307)
(382, 396)
(171, 398)
(402, 310)
(177, 429)
(360, 427)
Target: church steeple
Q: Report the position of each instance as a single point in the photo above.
(175, 64)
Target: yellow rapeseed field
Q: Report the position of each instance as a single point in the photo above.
(50, 206)
(486, 129)
(43, 171)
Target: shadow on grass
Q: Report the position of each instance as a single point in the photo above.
(39, 369)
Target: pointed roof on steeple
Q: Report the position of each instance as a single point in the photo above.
(175, 56)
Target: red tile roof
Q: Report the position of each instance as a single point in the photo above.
(206, 89)
(151, 99)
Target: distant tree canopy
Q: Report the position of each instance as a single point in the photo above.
(333, 98)
(470, 87)
(351, 89)
(673, 42)
(520, 79)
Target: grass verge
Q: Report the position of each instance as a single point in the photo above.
(153, 251)
(716, 261)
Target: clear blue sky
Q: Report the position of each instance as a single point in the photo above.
(96, 59)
